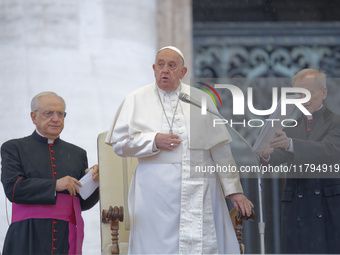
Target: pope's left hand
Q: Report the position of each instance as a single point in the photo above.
(241, 202)
(95, 173)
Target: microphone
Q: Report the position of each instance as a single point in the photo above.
(187, 99)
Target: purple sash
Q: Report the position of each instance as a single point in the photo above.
(67, 208)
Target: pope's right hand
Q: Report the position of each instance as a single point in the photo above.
(167, 141)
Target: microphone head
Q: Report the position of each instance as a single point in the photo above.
(187, 99)
(184, 97)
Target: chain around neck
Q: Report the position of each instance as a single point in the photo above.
(166, 116)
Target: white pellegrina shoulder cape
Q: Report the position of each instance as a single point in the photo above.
(134, 117)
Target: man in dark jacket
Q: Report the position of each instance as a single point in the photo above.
(311, 199)
(40, 174)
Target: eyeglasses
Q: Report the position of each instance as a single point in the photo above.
(50, 114)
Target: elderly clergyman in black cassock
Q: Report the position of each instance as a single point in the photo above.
(40, 174)
(310, 204)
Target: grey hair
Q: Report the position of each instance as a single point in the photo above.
(35, 99)
(318, 74)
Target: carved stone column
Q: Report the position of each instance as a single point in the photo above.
(174, 20)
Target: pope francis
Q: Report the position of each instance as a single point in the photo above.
(172, 209)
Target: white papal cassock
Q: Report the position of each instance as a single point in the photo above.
(173, 210)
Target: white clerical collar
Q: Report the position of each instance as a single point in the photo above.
(163, 92)
(309, 117)
(49, 141)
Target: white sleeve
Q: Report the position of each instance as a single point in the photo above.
(230, 180)
(139, 145)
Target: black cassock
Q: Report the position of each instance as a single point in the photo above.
(30, 168)
(310, 213)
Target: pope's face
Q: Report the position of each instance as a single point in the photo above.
(49, 118)
(168, 69)
(318, 93)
